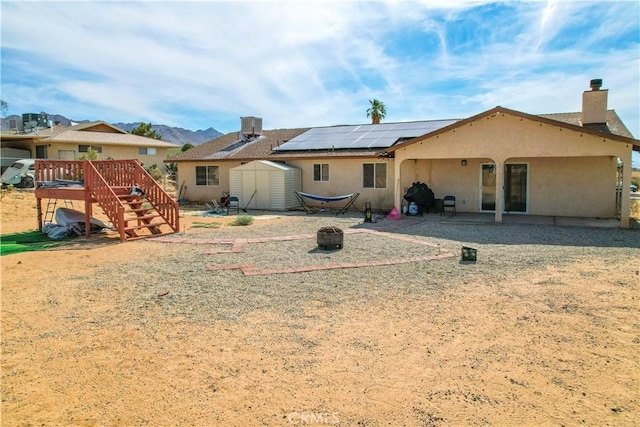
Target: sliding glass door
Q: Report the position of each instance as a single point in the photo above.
(488, 183)
(516, 178)
(515, 187)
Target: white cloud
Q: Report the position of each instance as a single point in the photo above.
(201, 64)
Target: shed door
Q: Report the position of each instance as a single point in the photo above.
(262, 198)
(258, 182)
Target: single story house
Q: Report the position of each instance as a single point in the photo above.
(500, 161)
(71, 142)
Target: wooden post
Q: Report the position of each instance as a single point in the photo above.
(88, 206)
(39, 207)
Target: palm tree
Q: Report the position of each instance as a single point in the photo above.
(377, 111)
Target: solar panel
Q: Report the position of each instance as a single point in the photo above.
(382, 135)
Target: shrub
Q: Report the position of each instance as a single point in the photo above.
(242, 220)
(205, 225)
(155, 172)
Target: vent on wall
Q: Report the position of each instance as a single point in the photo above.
(251, 126)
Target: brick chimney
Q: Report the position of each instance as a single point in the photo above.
(594, 104)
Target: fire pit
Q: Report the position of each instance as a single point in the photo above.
(330, 237)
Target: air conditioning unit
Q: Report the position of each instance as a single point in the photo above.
(15, 124)
(251, 126)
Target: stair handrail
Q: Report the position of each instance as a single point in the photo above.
(167, 207)
(98, 188)
(126, 172)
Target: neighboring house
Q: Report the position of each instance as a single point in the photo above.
(71, 142)
(500, 161)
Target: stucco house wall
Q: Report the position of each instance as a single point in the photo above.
(345, 177)
(70, 151)
(204, 193)
(573, 186)
(560, 162)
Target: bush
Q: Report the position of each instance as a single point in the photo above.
(155, 172)
(242, 220)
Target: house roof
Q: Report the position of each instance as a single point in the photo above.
(613, 126)
(284, 144)
(232, 147)
(361, 137)
(613, 129)
(100, 133)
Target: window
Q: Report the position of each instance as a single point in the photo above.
(321, 172)
(207, 175)
(374, 175)
(86, 148)
(42, 152)
(149, 151)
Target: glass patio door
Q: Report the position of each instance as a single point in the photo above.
(515, 187)
(488, 183)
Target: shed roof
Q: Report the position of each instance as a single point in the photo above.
(268, 163)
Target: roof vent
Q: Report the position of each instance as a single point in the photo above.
(251, 126)
(596, 84)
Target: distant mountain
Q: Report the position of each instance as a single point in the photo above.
(170, 134)
(175, 134)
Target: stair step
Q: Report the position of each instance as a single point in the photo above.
(129, 197)
(146, 237)
(140, 227)
(137, 210)
(143, 217)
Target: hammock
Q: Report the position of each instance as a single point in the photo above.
(312, 209)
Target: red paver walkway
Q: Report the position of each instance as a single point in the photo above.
(237, 246)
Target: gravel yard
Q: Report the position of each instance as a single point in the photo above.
(542, 330)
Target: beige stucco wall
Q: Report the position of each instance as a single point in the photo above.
(582, 187)
(570, 173)
(504, 136)
(203, 193)
(70, 152)
(345, 177)
(563, 186)
(445, 177)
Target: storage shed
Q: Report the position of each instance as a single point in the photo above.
(271, 184)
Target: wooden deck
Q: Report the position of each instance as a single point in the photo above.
(108, 183)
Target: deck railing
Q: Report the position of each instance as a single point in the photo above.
(54, 170)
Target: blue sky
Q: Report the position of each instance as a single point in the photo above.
(201, 64)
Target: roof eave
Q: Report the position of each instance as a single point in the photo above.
(497, 110)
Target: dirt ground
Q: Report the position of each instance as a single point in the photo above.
(547, 346)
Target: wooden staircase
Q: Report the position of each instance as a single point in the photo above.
(109, 183)
(135, 216)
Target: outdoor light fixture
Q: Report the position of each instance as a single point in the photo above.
(464, 162)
